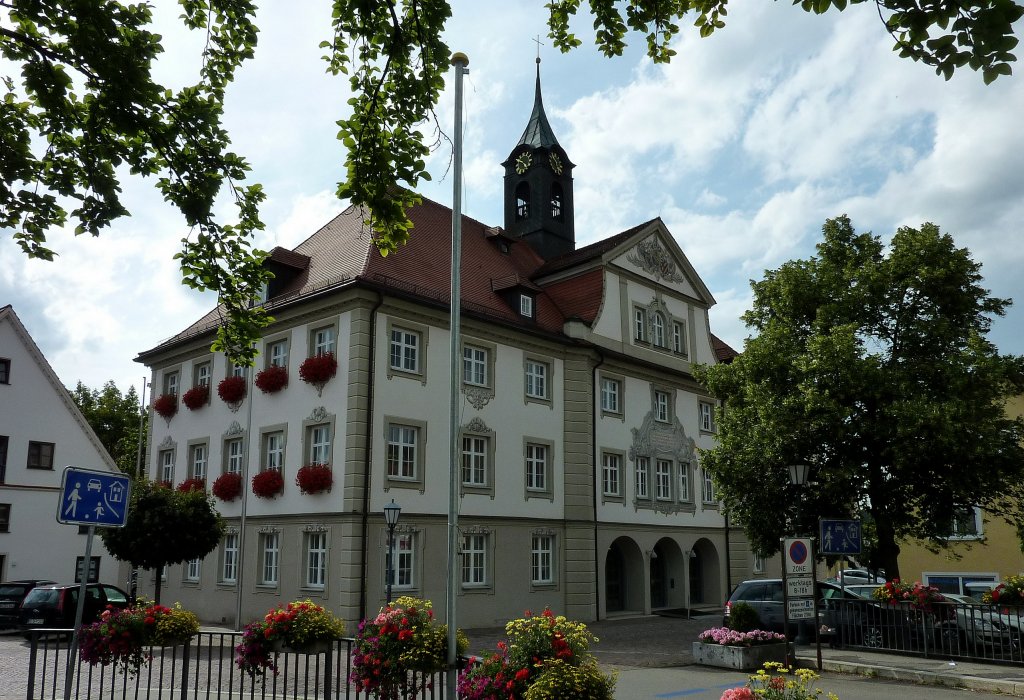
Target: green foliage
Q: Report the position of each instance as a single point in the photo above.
(742, 617)
(115, 418)
(872, 365)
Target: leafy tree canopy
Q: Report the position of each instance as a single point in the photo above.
(872, 365)
(86, 108)
(115, 418)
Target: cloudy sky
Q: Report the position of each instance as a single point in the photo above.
(744, 145)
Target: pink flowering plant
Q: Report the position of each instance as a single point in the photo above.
(294, 625)
(122, 637)
(1009, 592)
(918, 595)
(732, 638)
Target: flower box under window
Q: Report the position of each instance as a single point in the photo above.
(268, 484)
(314, 478)
(228, 486)
(166, 405)
(196, 397)
(272, 379)
(231, 390)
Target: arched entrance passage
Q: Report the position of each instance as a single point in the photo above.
(705, 577)
(666, 574)
(623, 577)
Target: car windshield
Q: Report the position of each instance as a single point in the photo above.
(42, 596)
(861, 591)
(12, 591)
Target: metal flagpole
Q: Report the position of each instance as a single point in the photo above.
(461, 63)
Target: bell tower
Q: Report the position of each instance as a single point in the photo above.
(538, 187)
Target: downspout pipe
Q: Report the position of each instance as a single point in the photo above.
(596, 389)
(368, 466)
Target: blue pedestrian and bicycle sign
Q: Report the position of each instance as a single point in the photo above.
(840, 537)
(93, 498)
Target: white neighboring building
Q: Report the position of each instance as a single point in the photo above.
(581, 485)
(41, 432)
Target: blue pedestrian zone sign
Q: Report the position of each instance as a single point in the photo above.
(840, 537)
(93, 498)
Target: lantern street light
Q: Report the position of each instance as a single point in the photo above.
(391, 513)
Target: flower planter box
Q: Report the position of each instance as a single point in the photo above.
(739, 658)
(319, 646)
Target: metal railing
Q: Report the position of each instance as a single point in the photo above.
(947, 630)
(203, 668)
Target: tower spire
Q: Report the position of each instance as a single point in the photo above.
(538, 131)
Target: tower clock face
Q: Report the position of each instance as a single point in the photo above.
(523, 162)
(556, 163)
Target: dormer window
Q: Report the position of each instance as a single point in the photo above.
(556, 201)
(522, 201)
(526, 305)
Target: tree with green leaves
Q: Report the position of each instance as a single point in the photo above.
(87, 105)
(164, 526)
(871, 364)
(116, 419)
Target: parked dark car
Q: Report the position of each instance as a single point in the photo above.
(12, 593)
(54, 606)
(766, 597)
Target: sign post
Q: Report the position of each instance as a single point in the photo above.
(799, 593)
(89, 498)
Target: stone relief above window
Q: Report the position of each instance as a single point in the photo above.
(658, 440)
(650, 257)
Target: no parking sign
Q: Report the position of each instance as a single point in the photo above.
(797, 554)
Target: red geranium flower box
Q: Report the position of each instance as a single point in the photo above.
(314, 478)
(166, 405)
(228, 486)
(319, 369)
(232, 389)
(268, 484)
(272, 379)
(196, 397)
(192, 485)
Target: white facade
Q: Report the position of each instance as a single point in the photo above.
(41, 432)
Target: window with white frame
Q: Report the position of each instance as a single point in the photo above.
(229, 558)
(171, 382)
(658, 329)
(319, 444)
(322, 341)
(662, 406)
(536, 379)
(474, 460)
(233, 456)
(678, 337)
(707, 417)
(708, 488)
(405, 560)
(542, 560)
(277, 353)
(202, 374)
(758, 564)
(273, 450)
(474, 365)
(536, 467)
(405, 350)
(316, 559)
(611, 469)
(474, 560)
(197, 462)
(193, 569)
(966, 523)
(526, 305)
(270, 553)
(640, 325)
(643, 468)
(663, 479)
(239, 371)
(611, 390)
(167, 465)
(684, 481)
(401, 451)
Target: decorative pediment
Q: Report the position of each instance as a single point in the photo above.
(655, 439)
(476, 426)
(650, 257)
(167, 444)
(315, 527)
(319, 415)
(478, 396)
(268, 529)
(233, 429)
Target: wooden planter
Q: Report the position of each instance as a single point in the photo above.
(738, 658)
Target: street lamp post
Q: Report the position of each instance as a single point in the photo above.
(391, 513)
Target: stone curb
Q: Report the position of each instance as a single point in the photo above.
(991, 685)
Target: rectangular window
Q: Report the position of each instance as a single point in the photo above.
(167, 466)
(5, 371)
(678, 338)
(610, 392)
(474, 560)
(405, 560)
(708, 488)
(536, 379)
(171, 382)
(474, 365)
(3, 458)
(401, 453)
(197, 462)
(611, 465)
(658, 329)
(316, 559)
(640, 325)
(661, 407)
(5, 517)
(526, 305)
(273, 451)
(474, 460)
(320, 444)
(40, 455)
(643, 466)
(193, 569)
(684, 481)
(229, 568)
(233, 455)
(758, 564)
(663, 479)
(277, 354)
(966, 523)
(405, 350)
(239, 371)
(202, 374)
(542, 560)
(323, 341)
(536, 467)
(707, 417)
(270, 550)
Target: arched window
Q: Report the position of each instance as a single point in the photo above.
(522, 201)
(658, 329)
(556, 201)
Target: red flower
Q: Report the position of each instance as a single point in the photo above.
(314, 478)
(319, 369)
(228, 486)
(231, 389)
(196, 397)
(268, 484)
(166, 405)
(192, 485)
(272, 379)
(522, 674)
